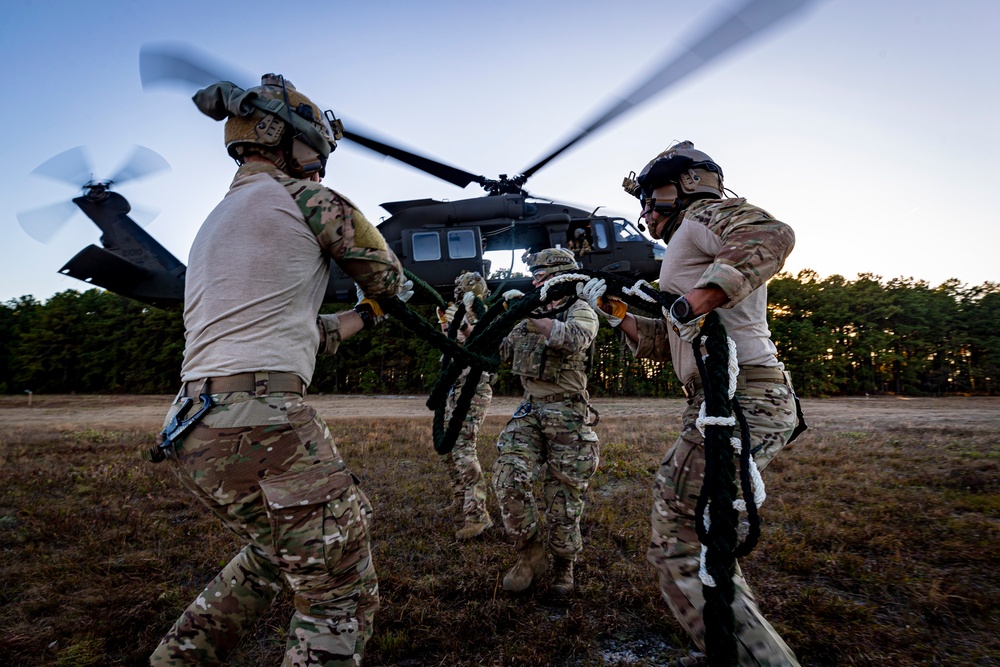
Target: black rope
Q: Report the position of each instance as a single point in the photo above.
(481, 354)
(717, 496)
(719, 490)
(746, 484)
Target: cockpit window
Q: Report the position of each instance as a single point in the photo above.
(601, 236)
(625, 231)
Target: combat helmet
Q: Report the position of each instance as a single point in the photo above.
(550, 261)
(471, 281)
(273, 120)
(695, 174)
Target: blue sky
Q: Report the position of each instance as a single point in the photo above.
(870, 127)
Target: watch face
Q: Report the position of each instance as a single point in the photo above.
(681, 309)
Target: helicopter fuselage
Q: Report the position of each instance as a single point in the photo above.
(437, 240)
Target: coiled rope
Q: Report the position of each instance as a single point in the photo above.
(718, 508)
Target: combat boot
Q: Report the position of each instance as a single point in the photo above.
(562, 577)
(532, 562)
(474, 527)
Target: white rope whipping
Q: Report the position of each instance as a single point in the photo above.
(561, 278)
(757, 483)
(636, 290)
(706, 578)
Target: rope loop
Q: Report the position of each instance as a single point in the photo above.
(718, 506)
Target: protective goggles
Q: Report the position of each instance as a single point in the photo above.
(651, 205)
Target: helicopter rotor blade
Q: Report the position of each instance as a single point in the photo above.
(747, 21)
(42, 223)
(142, 215)
(141, 163)
(178, 63)
(72, 166)
(445, 172)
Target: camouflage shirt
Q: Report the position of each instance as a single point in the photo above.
(732, 245)
(557, 364)
(259, 268)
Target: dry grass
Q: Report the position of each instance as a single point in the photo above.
(880, 548)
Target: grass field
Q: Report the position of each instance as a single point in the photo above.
(880, 543)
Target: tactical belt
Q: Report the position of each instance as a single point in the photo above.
(261, 384)
(747, 374)
(554, 398)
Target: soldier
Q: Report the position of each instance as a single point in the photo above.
(551, 426)
(579, 244)
(720, 254)
(467, 481)
(261, 458)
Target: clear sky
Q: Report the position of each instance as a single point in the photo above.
(870, 127)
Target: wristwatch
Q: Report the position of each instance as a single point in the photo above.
(681, 310)
(366, 314)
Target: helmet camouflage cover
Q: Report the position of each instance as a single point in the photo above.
(470, 281)
(271, 119)
(553, 260)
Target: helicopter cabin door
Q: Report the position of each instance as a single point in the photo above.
(439, 254)
(588, 239)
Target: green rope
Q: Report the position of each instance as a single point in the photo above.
(481, 354)
(425, 289)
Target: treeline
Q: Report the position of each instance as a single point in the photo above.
(837, 336)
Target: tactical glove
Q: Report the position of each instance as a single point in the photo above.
(370, 311)
(447, 315)
(405, 292)
(509, 295)
(684, 324)
(611, 308)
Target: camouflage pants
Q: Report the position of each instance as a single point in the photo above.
(555, 434)
(467, 481)
(675, 549)
(269, 469)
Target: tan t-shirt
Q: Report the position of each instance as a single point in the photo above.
(257, 274)
(732, 245)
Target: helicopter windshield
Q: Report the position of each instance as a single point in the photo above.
(626, 231)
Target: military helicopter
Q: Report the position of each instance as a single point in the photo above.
(435, 240)
(131, 262)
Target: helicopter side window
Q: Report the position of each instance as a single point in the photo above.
(462, 244)
(426, 247)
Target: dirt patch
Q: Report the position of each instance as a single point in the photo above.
(839, 414)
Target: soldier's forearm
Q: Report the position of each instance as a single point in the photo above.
(543, 325)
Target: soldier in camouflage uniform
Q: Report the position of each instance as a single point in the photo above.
(550, 432)
(467, 482)
(261, 459)
(720, 254)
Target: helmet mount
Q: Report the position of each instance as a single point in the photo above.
(275, 121)
(694, 173)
